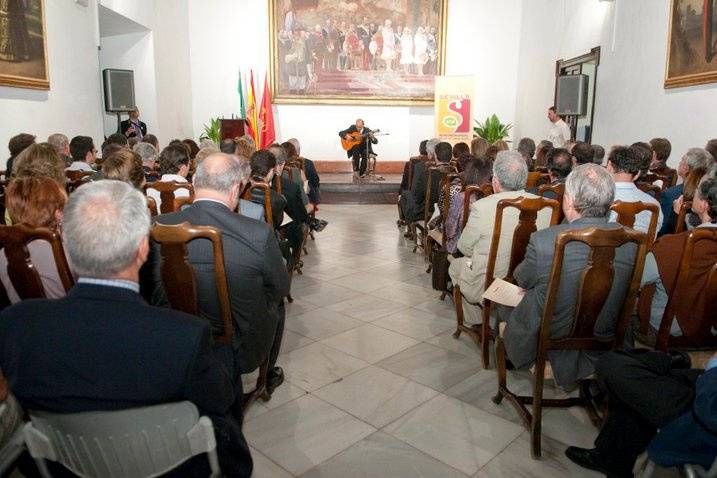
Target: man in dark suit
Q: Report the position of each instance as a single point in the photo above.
(650, 391)
(295, 206)
(559, 164)
(133, 127)
(413, 202)
(257, 277)
(101, 347)
(589, 192)
(359, 153)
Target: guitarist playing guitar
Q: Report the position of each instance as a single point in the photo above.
(357, 140)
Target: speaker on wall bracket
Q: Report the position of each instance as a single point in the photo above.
(572, 95)
(119, 90)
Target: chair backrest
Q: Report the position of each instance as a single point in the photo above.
(152, 206)
(536, 179)
(411, 165)
(167, 193)
(132, 443)
(263, 186)
(628, 211)
(703, 337)
(180, 202)
(178, 274)
(151, 177)
(71, 186)
(593, 290)
(479, 191)
(23, 275)
(558, 190)
(651, 189)
(681, 225)
(527, 225)
(77, 175)
(653, 177)
(446, 183)
(442, 169)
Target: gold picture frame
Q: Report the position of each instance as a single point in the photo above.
(435, 66)
(691, 44)
(21, 65)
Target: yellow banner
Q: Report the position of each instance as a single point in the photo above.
(454, 108)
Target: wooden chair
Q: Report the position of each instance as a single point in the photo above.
(152, 206)
(651, 189)
(443, 170)
(167, 193)
(481, 191)
(594, 289)
(536, 179)
(180, 202)
(628, 211)
(669, 173)
(78, 175)
(23, 275)
(72, 185)
(652, 178)
(681, 225)
(180, 284)
(698, 238)
(527, 224)
(558, 190)
(151, 177)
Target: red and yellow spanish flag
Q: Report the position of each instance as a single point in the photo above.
(252, 115)
(266, 115)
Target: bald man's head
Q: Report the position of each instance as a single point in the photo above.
(220, 173)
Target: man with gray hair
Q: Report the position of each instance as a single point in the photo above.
(256, 274)
(102, 347)
(148, 153)
(526, 147)
(589, 193)
(693, 160)
(62, 145)
(510, 174)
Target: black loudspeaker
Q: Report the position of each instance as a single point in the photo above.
(572, 95)
(119, 90)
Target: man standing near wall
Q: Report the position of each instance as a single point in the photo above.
(559, 133)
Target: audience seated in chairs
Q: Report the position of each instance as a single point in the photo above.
(662, 267)
(477, 172)
(263, 164)
(661, 150)
(599, 154)
(412, 202)
(694, 158)
(583, 153)
(294, 172)
(650, 391)
(625, 166)
(17, 145)
(510, 174)
(246, 208)
(541, 154)
(479, 147)
(559, 164)
(125, 165)
(36, 202)
(257, 277)
(101, 347)
(84, 154)
(62, 146)
(151, 139)
(40, 160)
(174, 167)
(589, 193)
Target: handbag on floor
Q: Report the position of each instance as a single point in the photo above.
(439, 272)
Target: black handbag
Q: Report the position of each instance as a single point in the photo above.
(439, 272)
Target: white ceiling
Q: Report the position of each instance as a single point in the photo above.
(113, 24)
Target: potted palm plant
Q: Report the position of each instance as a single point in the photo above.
(492, 129)
(212, 131)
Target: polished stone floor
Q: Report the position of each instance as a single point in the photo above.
(377, 386)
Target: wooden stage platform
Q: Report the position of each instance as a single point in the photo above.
(345, 188)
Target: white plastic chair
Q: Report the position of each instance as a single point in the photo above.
(132, 443)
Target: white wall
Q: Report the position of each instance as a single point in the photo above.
(73, 104)
(631, 102)
(133, 51)
(225, 35)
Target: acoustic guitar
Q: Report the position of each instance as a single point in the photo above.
(356, 139)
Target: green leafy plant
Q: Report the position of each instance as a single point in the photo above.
(492, 129)
(211, 131)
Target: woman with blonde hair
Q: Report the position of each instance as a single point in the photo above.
(36, 202)
(40, 160)
(124, 165)
(479, 146)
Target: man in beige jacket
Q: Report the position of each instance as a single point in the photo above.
(510, 174)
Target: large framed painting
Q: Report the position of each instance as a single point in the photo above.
(692, 47)
(356, 51)
(23, 47)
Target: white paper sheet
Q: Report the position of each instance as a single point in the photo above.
(505, 293)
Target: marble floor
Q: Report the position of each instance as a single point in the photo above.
(376, 386)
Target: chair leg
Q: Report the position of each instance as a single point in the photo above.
(459, 310)
(537, 419)
(486, 335)
(500, 369)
